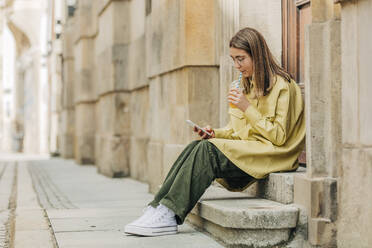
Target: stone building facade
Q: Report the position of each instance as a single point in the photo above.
(124, 75)
(355, 173)
(134, 71)
(138, 69)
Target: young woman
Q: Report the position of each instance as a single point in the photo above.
(265, 134)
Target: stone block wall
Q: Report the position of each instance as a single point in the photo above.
(111, 51)
(183, 74)
(188, 93)
(317, 190)
(135, 70)
(114, 96)
(56, 102)
(139, 136)
(67, 123)
(139, 92)
(85, 97)
(112, 137)
(355, 198)
(148, 67)
(141, 68)
(266, 17)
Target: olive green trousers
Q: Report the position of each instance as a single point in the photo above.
(192, 173)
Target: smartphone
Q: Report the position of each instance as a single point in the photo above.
(198, 127)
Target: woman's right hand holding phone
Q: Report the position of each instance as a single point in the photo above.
(204, 135)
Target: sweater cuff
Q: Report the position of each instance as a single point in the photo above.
(252, 114)
(219, 133)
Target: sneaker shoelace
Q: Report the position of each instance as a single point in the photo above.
(161, 215)
(145, 214)
(158, 218)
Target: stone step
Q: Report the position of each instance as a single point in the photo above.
(276, 187)
(238, 220)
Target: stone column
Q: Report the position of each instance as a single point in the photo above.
(67, 126)
(25, 22)
(113, 88)
(56, 107)
(317, 190)
(23, 65)
(355, 197)
(7, 88)
(228, 18)
(182, 66)
(85, 76)
(26, 70)
(32, 108)
(55, 73)
(139, 88)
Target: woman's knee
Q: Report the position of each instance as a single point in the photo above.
(193, 144)
(205, 148)
(205, 144)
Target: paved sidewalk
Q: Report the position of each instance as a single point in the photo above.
(61, 204)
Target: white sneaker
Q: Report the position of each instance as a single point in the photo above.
(148, 211)
(161, 222)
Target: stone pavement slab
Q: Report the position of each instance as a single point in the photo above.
(186, 238)
(7, 171)
(31, 225)
(34, 239)
(97, 223)
(86, 209)
(4, 216)
(6, 182)
(61, 204)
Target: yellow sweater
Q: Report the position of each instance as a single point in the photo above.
(268, 136)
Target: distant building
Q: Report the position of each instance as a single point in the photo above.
(24, 86)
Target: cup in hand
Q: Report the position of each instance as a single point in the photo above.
(234, 85)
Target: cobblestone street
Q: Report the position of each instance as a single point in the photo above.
(57, 203)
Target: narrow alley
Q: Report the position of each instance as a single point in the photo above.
(95, 101)
(56, 203)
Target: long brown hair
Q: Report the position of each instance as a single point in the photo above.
(265, 68)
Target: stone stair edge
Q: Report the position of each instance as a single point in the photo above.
(277, 186)
(275, 175)
(253, 213)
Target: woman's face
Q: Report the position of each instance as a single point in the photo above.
(242, 61)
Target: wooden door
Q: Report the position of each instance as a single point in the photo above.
(296, 15)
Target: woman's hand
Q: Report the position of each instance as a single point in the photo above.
(204, 135)
(237, 98)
